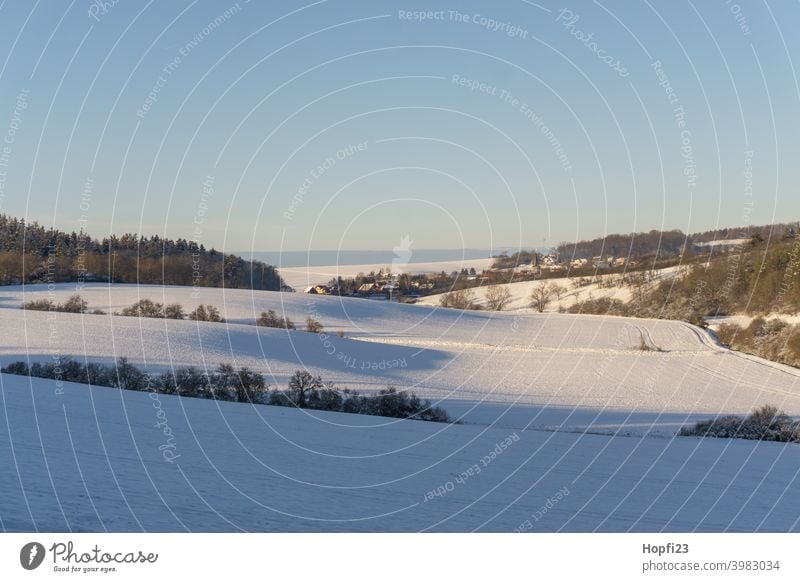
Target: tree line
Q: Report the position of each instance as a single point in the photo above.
(774, 232)
(656, 243)
(31, 253)
(304, 390)
(154, 309)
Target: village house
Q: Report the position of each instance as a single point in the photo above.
(318, 290)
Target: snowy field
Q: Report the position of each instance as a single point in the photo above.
(745, 320)
(727, 242)
(589, 412)
(520, 292)
(90, 460)
(546, 371)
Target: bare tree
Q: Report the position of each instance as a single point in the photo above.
(461, 299)
(541, 296)
(558, 290)
(301, 385)
(249, 385)
(497, 297)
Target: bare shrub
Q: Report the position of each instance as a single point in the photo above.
(497, 297)
(206, 313)
(461, 299)
(39, 305)
(314, 325)
(75, 304)
(541, 296)
(144, 308)
(646, 346)
(174, 311)
(272, 319)
(599, 306)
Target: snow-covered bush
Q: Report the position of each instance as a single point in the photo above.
(764, 424)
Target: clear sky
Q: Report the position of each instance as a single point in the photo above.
(341, 124)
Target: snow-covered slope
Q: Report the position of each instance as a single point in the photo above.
(575, 289)
(554, 408)
(548, 371)
(93, 459)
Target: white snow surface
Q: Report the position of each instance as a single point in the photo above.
(90, 459)
(592, 414)
(724, 242)
(570, 372)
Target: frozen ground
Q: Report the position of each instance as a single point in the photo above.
(592, 414)
(91, 459)
(724, 242)
(548, 371)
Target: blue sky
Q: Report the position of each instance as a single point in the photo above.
(326, 125)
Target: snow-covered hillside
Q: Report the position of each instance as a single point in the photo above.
(575, 289)
(94, 459)
(548, 371)
(587, 420)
